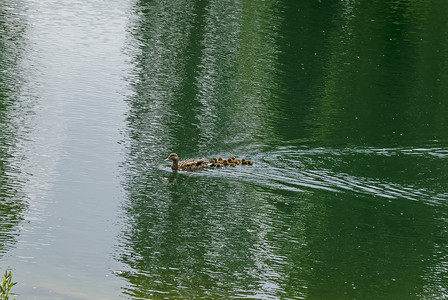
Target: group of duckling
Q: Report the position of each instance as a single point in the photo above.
(201, 163)
(230, 162)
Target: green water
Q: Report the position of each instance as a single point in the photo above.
(341, 104)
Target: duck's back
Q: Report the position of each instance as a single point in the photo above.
(193, 164)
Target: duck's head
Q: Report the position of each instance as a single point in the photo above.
(173, 156)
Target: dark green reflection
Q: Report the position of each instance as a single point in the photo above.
(380, 250)
(190, 243)
(346, 124)
(12, 47)
(366, 73)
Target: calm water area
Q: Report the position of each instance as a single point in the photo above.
(343, 106)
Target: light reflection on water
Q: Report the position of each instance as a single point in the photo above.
(90, 206)
(62, 114)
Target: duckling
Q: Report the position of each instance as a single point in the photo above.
(201, 163)
(214, 164)
(187, 165)
(247, 162)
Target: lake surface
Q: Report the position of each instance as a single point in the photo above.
(341, 104)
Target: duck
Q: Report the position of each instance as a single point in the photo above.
(187, 165)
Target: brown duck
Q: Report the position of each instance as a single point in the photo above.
(187, 165)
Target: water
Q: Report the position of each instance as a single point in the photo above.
(342, 106)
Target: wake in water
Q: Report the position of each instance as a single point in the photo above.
(413, 174)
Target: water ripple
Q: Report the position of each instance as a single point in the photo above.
(345, 170)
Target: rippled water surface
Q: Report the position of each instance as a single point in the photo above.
(341, 104)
